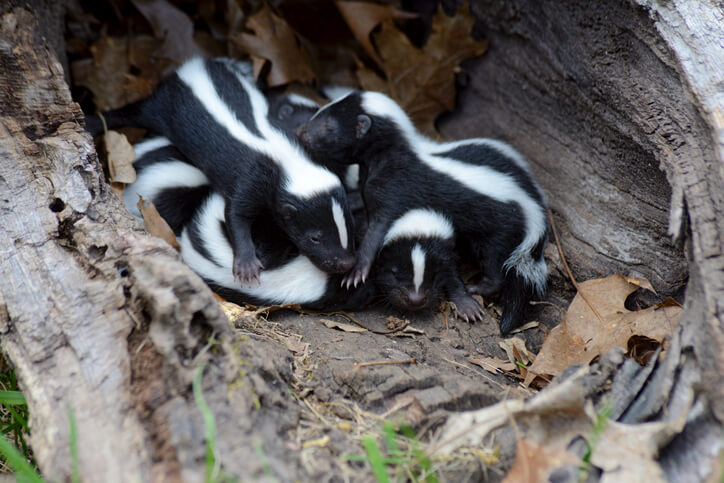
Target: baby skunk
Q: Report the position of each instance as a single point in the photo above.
(483, 186)
(197, 216)
(219, 120)
(417, 264)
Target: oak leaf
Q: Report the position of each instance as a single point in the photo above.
(584, 334)
(274, 41)
(170, 25)
(363, 17)
(422, 81)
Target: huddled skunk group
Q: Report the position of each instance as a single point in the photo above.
(250, 181)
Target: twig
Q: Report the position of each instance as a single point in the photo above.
(385, 363)
(103, 121)
(568, 270)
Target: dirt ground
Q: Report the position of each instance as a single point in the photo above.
(344, 385)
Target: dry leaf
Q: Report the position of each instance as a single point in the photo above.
(582, 336)
(275, 41)
(108, 75)
(233, 312)
(493, 364)
(155, 224)
(534, 463)
(422, 81)
(295, 345)
(172, 26)
(331, 324)
(516, 351)
(363, 17)
(120, 158)
(316, 443)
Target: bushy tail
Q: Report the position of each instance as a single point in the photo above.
(514, 297)
(130, 115)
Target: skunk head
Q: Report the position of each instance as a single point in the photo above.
(353, 126)
(321, 227)
(412, 268)
(411, 273)
(288, 111)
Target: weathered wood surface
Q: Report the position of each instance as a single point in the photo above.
(97, 316)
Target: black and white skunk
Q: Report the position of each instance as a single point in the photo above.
(483, 186)
(196, 214)
(417, 265)
(219, 120)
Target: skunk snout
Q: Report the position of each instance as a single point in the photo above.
(302, 134)
(346, 264)
(339, 264)
(415, 300)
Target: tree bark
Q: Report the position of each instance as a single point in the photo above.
(618, 105)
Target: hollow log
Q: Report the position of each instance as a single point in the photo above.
(619, 106)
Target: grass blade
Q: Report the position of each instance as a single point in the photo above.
(24, 472)
(374, 455)
(12, 398)
(209, 423)
(74, 445)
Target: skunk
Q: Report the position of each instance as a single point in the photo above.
(218, 119)
(196, 214)
(483, 186)
(417, 264)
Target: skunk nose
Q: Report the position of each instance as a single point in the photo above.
(301, 134)
(346, 264)
(415, 300)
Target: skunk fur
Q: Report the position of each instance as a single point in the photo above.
(483, 186)
(196, 214)
(218, 118)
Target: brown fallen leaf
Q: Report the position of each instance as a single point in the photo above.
(154, 223)
(295, 345)
(274, 41)
(493, 364)
(120, 157)
(109, 74)
(172, 27)
(516, 351)
(534, 463)
(363, 17)
(422, 81)
(582, 336)
(331, 324)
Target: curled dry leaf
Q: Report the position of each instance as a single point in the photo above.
(516, 351)
(493, 364)
(582, 336)
(422, 81)
(120, 157)
(155, 224)
(331, 324)
(534, 463)
(274, 41)
(363, 17)
(172, 27)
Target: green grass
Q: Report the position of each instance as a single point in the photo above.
(599, 425)
(401, 456)
(212, 470)
(13, 414)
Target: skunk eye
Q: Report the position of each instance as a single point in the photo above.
(285, 111)
(315, 238)
(394, 269)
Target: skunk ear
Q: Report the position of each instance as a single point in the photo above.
(363, 125)
(287, 211)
